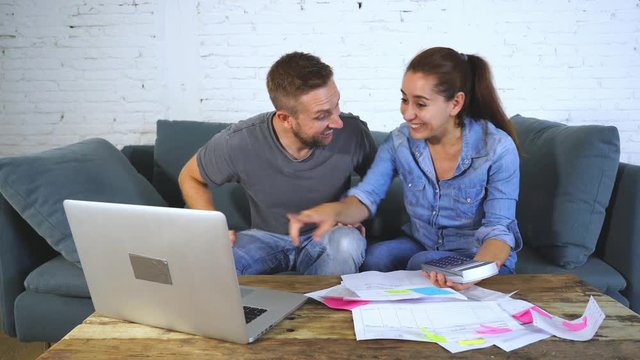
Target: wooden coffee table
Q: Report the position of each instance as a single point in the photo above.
(315, 331)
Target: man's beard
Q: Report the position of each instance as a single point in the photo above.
(310, 141)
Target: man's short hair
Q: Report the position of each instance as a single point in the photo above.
(294, 75)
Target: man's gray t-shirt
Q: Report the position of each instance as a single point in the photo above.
(249, 153)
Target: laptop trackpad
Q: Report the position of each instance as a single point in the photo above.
(244, 291)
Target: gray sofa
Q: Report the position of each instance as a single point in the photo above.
(577, 213)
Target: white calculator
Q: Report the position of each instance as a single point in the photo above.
(461, 269)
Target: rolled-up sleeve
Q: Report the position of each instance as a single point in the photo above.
(373, 187)
(499, 220)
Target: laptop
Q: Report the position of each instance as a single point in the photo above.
(170, 268)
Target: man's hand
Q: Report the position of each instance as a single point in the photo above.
(232, 237)
(324, 216)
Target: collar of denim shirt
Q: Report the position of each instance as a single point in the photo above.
(474, 143)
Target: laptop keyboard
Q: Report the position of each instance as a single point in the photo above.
(250, 313)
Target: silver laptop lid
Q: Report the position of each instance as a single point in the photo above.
(166, 267)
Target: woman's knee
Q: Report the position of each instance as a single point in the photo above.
(377, 258)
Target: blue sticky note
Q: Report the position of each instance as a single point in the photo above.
(432, 290)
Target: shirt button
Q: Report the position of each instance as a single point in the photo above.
(434, 212)
(468, 200)
(410, 185)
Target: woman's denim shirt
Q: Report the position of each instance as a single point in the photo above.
(457, 214)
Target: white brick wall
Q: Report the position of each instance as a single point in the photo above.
(72, 69)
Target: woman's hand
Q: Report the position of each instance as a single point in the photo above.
(440, 280)
(491, 250)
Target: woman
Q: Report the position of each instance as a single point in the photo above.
(457, 157)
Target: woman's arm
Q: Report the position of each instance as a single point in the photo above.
(494, 250)
(347, 211)
(360, 202)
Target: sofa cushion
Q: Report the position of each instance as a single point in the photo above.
(596, 272)
(176, 143)
(36, 185)
(58, 276)
(379, 137)
(566, 177)
(48, 317)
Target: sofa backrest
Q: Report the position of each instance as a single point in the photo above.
(566, 178)
(554, 157)
(176, 143)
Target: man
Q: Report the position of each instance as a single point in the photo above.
(300, 155)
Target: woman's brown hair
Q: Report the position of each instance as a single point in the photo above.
(469, 74)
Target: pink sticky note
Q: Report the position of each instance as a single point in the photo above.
(338, 303)
(489, 330)
(525, 316)
(576, 326)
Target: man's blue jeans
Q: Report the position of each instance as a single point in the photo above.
(340, 251)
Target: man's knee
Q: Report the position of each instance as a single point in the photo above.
(343, 252)
(346, 240)
(259, 252)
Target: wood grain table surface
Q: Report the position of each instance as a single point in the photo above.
(317, 332)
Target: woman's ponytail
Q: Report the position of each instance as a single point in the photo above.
(470, 74)
(483, 101)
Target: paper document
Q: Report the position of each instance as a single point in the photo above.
(333, 297)
(581, 329)
(395, 285)
(478, 293)
(520, 338)
(466, 345)
(338, 291)
(440, 322)
(521, 310)
(340, 297)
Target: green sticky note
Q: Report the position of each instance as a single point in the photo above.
(397, 291)
(431, 336)
(471, 342)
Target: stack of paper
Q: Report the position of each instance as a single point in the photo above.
(404, 305)
(360, 289)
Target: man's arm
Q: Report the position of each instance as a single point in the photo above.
(194, 189)
(195, 192)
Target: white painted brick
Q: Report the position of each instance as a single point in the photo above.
(31, 64)
(574, 62)
(26, 86)
(143, 106)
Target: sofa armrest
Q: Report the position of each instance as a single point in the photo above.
(141, 157)
(21, 251)
(619, 243)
